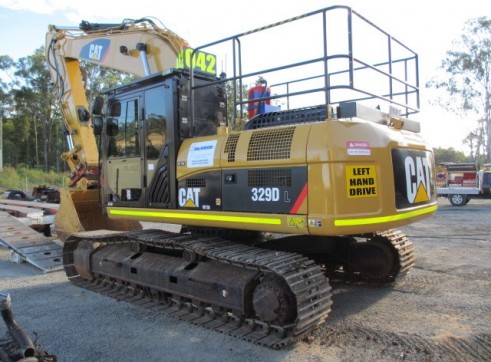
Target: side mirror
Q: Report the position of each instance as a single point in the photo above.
(112, 126)
(115, 109)
(97, 105)
(97, 124)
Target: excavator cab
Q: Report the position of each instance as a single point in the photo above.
(145, 125)
(138, 137)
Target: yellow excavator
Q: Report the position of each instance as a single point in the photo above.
(269, 213)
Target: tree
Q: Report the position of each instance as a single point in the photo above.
(236, 117)
(14, 132)
(37, 102)
(97, 78)
(448, 155)
(33, 132)
(469, 84)
(6, 64)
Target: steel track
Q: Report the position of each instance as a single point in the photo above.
(305, 279)
(406, 257)
(405, 250)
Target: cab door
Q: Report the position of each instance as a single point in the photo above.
(159, 146)
(124, 162)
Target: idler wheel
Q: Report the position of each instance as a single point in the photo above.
(137, 247)
(190, 256)
(376, 260)
(273, 301)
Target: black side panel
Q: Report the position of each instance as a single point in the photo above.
(414, 177)
(201, 192)
(209, 103)
(270, 190)
(158, 192)
(275, 190)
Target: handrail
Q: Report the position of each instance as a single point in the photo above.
(398, 67)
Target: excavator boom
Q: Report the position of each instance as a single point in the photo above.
(138, 47)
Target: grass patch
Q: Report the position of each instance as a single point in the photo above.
(24, 178)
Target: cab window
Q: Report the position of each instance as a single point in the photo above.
(156, 126)
(125, 143)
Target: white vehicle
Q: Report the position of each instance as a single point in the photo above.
(461, 182)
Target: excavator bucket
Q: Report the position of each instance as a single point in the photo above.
(80, 211)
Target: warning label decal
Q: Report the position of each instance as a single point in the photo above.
(358, 148)
(361, 181)
(296, 221)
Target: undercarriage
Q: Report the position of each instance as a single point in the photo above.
(267, 293)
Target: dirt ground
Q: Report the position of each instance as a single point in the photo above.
(441, 311)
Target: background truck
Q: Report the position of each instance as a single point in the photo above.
(461, 182)
(298, 194)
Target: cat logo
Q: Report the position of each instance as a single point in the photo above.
(189, 197)
(417, 179)
(96, 50)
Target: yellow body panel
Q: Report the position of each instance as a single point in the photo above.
(336, 204)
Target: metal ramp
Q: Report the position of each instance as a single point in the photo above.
(45, 206)
(29, 245)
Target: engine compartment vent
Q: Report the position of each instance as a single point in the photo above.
(288, 117)
(270, 144)
(195, 182)
(270, 178)
(231, 146)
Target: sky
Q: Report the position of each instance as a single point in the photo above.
(426, 26)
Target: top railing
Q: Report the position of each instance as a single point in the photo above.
(327, 56)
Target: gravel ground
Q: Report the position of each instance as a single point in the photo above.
(441, 311)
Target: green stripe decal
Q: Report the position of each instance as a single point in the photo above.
(205, 217)
(383, 219)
